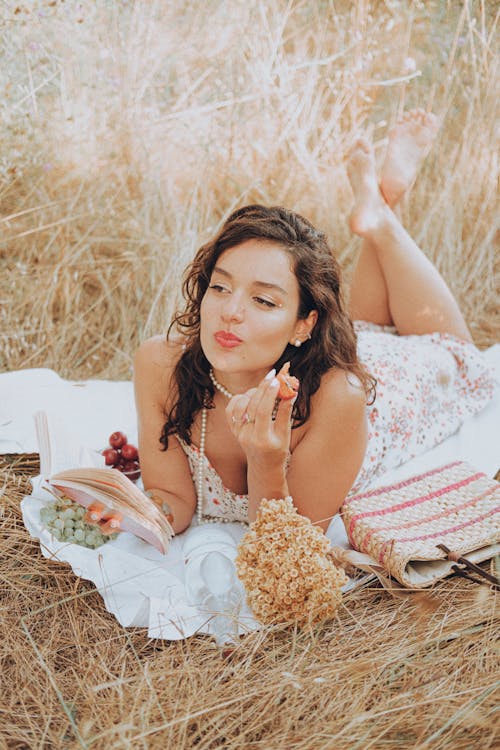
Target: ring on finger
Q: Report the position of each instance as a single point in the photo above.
(245, 419)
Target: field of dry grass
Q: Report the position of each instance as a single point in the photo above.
(128, 131)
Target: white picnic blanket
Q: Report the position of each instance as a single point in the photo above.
(139, 585)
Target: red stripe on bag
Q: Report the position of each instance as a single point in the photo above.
(435, 534)
(418, 522)
(404, 483)
(415, 501)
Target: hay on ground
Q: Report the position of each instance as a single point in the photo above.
(400, 669)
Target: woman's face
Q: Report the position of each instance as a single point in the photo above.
(249, 311)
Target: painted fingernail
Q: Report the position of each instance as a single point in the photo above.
(270, 374)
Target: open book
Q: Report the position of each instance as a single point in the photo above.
(108, 493)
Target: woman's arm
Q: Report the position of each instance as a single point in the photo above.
(328, 458)
(266, 443)
(165, 473)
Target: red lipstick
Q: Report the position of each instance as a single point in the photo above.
(227, 339)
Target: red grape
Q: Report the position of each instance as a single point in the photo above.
(117, 439)
(129, 452)
(131, 469)
(122, 455)
(111, 456)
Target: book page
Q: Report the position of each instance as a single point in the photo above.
(60, 450)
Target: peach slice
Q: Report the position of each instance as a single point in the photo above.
(111, 524)
(95, 512)
(289, 385)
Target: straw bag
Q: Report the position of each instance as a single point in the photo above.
(419, 529)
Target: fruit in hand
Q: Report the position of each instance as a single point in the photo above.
(117, 439)
(129, 452)
(289, 385)
(122, 456)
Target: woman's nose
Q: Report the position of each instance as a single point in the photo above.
(232, 310)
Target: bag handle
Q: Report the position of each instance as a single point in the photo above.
(457, 558)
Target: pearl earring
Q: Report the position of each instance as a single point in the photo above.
(297, 343)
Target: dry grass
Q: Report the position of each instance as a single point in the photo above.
(128, 132)
(392, 671)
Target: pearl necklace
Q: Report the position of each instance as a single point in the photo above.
(219, 386)
(200, 474)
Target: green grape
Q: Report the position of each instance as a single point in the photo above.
(48, 512)
(66, 521)
(57, 533)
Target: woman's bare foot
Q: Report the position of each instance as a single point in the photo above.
(370, 209)
(409, 143)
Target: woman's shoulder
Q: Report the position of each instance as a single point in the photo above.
(158, 351)
(155, 360)
(338, 411)
(340, 393)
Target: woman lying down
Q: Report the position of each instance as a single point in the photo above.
(377, 382)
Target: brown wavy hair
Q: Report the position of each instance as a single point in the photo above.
(333, 340)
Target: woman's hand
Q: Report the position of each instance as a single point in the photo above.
(265, 441)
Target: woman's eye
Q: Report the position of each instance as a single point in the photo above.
(264, 302)
(218, 288)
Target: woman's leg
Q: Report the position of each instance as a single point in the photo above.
(368, 298)
(409, 143)
(418, 298)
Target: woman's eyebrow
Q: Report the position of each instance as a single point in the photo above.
(265, 284)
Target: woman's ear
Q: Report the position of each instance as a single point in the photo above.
(304, 328)
(312, 319)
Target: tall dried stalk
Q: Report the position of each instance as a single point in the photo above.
(130, 130)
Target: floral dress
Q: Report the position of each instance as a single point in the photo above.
(427, 385)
